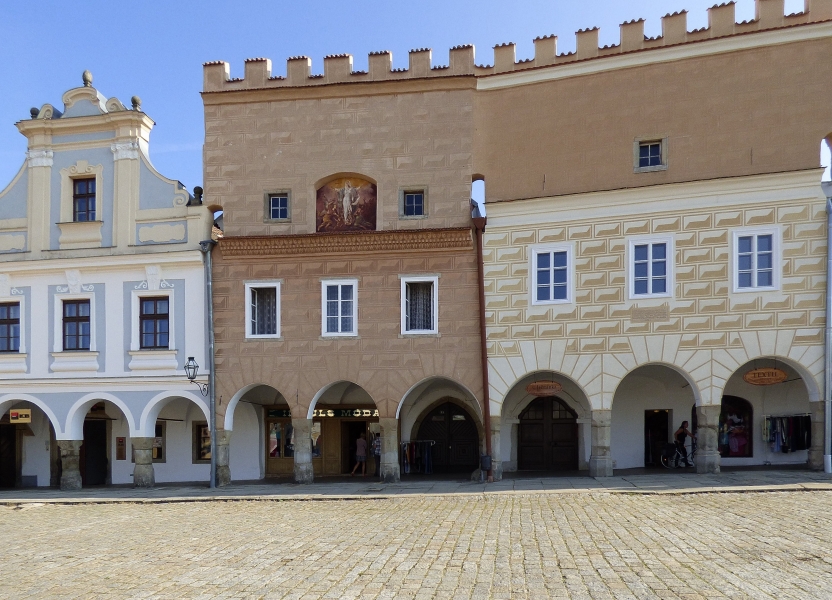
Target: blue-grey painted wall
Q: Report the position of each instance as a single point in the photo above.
(13, 203)
(154, 192)
(83, 137)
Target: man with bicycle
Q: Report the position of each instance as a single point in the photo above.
(679, 437)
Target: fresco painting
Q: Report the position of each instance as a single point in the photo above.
(346, 204)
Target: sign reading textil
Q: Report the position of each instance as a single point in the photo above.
(765, 376)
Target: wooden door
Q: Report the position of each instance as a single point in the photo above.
(8, 455)
(94, 453)
(454, 432)
(547, 437)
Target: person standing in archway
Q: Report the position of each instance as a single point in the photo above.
(360, 455)
(679, 437)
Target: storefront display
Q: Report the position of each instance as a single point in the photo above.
(735, 422)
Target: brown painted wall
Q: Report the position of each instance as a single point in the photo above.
(414, 139)
(381, 361)
(742, 113)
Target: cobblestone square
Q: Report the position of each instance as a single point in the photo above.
(521, 545)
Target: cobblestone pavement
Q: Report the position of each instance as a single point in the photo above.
(522, 545)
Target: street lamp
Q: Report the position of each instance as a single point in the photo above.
(191, 370)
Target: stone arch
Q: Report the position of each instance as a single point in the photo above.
(7, 401)
(78, 412)
(413, 429)
(342, 175)
(259, 389)
(147, 422)
(812, 374)
(429, 393)
(685, 375)
(342, 390)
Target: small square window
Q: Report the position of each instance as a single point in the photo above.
(83, 199)
(278, 206)
(263, 309)
(10, 327)
(413, 203)
(649, 154)
(419, 305)
(339, 307)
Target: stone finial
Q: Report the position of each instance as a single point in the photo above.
(198, 191)
(86, 77)
(137, 102)
(34, 111)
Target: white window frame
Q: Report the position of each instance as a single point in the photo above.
(21, 302)
(340, 282)
(670, 241)
(135, 327)
(416, 189)
(652, 139)
(268, 206)
(58, 308)
(570, 273)
(405, 279)
(776, 259)
(272, 283)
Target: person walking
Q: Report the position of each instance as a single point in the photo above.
(679, 437)
(377, 453)
(360, 455)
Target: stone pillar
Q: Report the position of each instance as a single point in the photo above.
(143, 475)
(389, 450)
(497, 456)
(818, 411)
(223, 470)
(707, 438)
(303, 450)
(600, 458)
(70, 464)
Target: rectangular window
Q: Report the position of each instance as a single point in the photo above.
(650, 268)
(339, 309)
(76, 324)
(755, 261)
(650, 154)
(414, 204)
(83, 199)
(10, 327)
(279, 207)
(154, 323)
(419, 309)
(263, 309)
(158, 451)
(201, 443)
(551, 276)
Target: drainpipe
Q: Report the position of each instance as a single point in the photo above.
(206, 247)
(827, 400)
(479, 227)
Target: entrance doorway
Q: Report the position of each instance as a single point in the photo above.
(454, 432)
(93, 455)
(8, 455)
(350, 432)
(656, 435)
(548, 436)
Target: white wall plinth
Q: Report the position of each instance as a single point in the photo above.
(13, 362)
(153, 360)
(82, 234)
(72, 361)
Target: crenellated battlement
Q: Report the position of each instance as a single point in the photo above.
(338, 68)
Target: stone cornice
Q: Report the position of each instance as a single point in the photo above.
(349, 242)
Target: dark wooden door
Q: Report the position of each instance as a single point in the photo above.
(454, 432)
(93, 455)
(8, 455)
(656, 435)
(548, 437)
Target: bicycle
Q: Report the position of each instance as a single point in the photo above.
(671, 456)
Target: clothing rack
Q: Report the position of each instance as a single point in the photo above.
(416, 456)
(787, 433)
(788, 415)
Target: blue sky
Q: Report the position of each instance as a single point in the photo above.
(155, 49)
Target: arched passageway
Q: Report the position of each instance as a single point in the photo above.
(25, 430)
(447, 441)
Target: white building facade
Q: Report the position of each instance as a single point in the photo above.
(101, 302)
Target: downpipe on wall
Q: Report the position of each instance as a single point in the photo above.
(206, 247)
(827, 388)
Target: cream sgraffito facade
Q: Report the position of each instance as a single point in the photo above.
(76, 274)
(705, 330)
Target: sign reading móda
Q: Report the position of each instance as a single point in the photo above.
(544, 388)
(766, 376)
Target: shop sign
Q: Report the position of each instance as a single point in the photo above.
(338, 413)
(765, 376)
(20, 415)
(544, 388)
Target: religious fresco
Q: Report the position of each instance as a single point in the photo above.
(346, 204)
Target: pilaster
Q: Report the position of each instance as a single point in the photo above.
(600, 459)
(707, 439)
(303, 450)
(70, 464)
(389, 450)
(818, 411)
(223, 468)
(143, 474)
